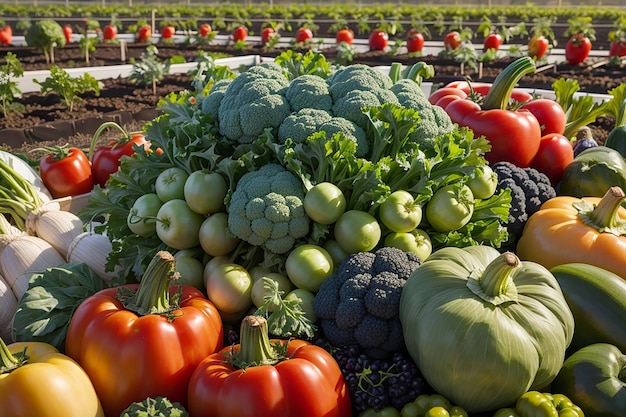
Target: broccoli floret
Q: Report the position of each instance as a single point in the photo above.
(350, 130)
(360, 302)
(529, 190)
(266, 209)
(253, 102)
(351, 105)
(211, 103)
(309, 91)
(300, 125)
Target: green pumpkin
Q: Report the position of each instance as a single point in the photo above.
(593, 172)
(484, 327)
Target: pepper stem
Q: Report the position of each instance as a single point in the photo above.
(499, 94)
(494, 284)
(153, 294)
(255, 347)
(9, 361)
(604, 216)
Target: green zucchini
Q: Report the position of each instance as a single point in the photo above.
(597, 299)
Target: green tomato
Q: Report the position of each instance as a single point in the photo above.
(215, 237)
(205, 191)
(170, 184)
(450, 208)
(437, 411)
(141, 218)
(178, 226)
(399, 212)
(357, 231)
(229, 288)
(308, 266)
(305, 297)
(324, 203)
(484, 182)
(411, 409)
(534, 403)
(259, 291)
(457, 411)
(336, 251)
(191, 270)
(506, 412)
(416, 241)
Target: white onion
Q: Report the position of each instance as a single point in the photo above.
(92, 249)
(8, 306)
(25, 253)
(57, 227)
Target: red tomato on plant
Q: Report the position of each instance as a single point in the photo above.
(452, 40)
(303, 35)
(618, 49)
(240, 33)
(67, 32)
(577, 49)
(6, 35)
(378, 40)
(345, 35)
(109, 33)
(266, 35)
(168, 32)
(414, 41)
(537, 47)
(554, 154)
(144, 34)
(145, 336)
(493, 41)
(66, 171)
(204, 30)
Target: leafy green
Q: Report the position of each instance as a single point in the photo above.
(155, 407)
(45, 309)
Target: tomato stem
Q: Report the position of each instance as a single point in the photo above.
(604, 216)
(9, 361)
(499, 94)
(494, 284)
(98, 132)
(153, 294)
(255, 346)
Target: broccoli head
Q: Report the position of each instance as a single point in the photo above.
(350, 130)
(266, 209)
(359, 304)
(211, 103)
(300, 125)
(309, 91)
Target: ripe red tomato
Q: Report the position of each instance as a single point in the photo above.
(109, 33)
(618, 48)
(303, 35)
(414, 41)
(66, 172)
(168, 32)
(549, 114)
(452, 40)
(106, 159)
(537, 47)
(493, 41)
(554, 154)
(378, 40)
(345, 35)
(240, 33)
(577, 49)
(67, 32)
(204, 30)
(266, 35)
(6, 35)
(144, 34)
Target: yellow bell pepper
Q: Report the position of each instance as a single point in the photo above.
(588, 230)
(37, 380)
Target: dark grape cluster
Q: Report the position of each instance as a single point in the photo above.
(378, 383)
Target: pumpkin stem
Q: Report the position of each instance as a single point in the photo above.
(9, 361)
(153, 294)
(255, 346)
(497, 275)
(604, 216)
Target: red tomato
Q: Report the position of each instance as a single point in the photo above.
(6, 35)
(444, 92)
(618, 48)
(549, 114)
(452, 40)
(204, 30)
(106, 159)
(554, 154)
(109, 33)
(66, 172)
(345, 35)
(378, 40)
(240, 33)
(168, 32)
(537, 47)
(144, 34)
(67, 32)
(493, 41)
(414, 41)
(577, 49)
(266, 35)
(303, 35)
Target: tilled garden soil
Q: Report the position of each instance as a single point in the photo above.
(46, 120)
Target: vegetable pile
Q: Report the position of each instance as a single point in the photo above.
(301, 223)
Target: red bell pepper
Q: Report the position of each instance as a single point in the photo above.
(105, 160)
(145, 340)
(268, 378)
(514, 134)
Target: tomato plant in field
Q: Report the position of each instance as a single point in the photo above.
(144, 34)
(414, 41)
(345, 35)
(538, 47)
(204, 30)
(618, 49)
(66, 171)
(109, 33)
(168, 32)
(579, 44)
(378, 40)
(493, 41)
(67, 32)
(304, 35)
(6, 35)
(267, 34)
(240, 33)
(452, 40)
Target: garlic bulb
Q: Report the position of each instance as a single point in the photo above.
(57, 227)
(24, 253)
(8, 306)
(92, 249)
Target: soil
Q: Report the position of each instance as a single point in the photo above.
(46, 120)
